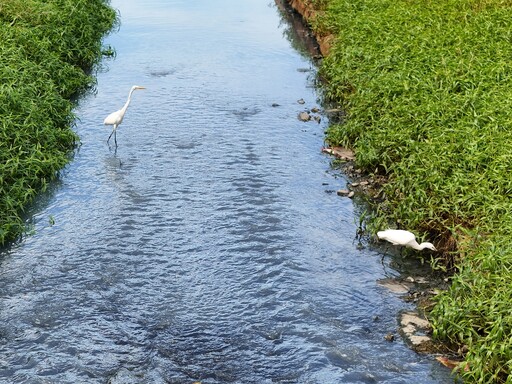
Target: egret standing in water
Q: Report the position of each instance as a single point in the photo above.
(116, 118)
(405, 238)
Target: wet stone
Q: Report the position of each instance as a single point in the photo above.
(304, 116)
(389, 337)
(415, 330)
(340, 153)
(393, 286)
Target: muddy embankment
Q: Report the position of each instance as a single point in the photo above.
(307, 11)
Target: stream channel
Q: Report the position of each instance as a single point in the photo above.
(210, 246)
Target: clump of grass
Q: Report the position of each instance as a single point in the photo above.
(427, 90)
(475, 313)
(46, 50)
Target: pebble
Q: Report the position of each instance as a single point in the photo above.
(389, 337)
(304, 116)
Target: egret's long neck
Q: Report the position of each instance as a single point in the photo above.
(417, 246)
(125, 107)
(422, 246)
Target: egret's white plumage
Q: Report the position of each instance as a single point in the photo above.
(116, 118)
(405, 238)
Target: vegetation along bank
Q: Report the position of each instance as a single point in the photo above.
(47, 50)
(427, 92)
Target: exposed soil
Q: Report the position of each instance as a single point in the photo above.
(308, 12)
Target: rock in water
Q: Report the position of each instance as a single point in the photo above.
(304, 116)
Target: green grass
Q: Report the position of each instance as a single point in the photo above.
(47, 49)
(427, 90)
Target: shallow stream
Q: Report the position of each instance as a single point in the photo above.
(210, 246)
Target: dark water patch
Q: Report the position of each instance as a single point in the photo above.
(161, 72)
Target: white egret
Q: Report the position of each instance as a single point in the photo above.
(116, 118)
(405, 238)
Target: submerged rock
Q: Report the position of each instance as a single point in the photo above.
(394, 286)
(389, 337)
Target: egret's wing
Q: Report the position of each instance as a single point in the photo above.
(409, 239)
(387, 235)
(113, 118)
(407, 236)
(397, 236)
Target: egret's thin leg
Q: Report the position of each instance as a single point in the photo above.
(110, 136)
(115, 138)
(113, 132)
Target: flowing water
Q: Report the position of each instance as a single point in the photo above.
(209, 247)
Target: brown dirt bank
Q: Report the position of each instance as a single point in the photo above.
(309, 13)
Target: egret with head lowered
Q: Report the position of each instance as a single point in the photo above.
(116, 118)
(405, 238)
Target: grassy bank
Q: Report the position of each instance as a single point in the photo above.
(427, 90)
(46, 49)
